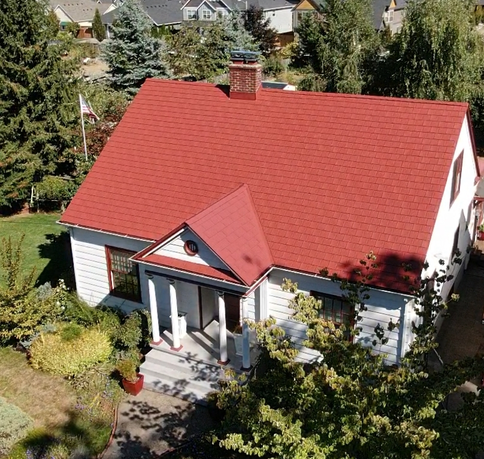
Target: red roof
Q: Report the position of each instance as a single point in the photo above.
(195, 268)
(231, 228)
(332, 176)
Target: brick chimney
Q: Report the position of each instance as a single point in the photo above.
(245, 75)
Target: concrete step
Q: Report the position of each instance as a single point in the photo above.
(191, 394)
(179, 379)
(182, 364)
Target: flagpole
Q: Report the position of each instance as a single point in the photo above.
(83, 130)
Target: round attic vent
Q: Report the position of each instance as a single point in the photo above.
(191, 248)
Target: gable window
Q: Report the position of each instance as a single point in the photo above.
(337, 310)
(206, 15)
(123, 274)
(456, 177)
(191, 14)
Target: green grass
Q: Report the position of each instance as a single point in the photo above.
(53, 403)
(45, 247)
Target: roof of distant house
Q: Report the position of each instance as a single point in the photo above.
(160, 11)
(328, 182)
(81, 10)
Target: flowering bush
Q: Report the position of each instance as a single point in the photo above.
(14, 424)
(53, 354)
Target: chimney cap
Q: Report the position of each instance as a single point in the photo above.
(244, 57)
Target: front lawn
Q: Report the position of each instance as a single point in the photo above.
(62, 424)
(45, 247)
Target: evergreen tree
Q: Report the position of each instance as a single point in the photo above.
(339, 47)
(260, 29)
(37, 101)
(98, 27)
(438, 54)
(133, 54)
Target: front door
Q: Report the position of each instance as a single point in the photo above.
(208, 305)
(232, 311)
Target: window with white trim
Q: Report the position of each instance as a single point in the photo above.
(191, 14)
(336, 310)
(123, 274)
(206, 15)
(456, 177)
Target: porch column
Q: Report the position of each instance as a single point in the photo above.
(175, 330)
(222, 328)
(245, 337)
(155, 325)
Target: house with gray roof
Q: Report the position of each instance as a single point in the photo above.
(80, 12)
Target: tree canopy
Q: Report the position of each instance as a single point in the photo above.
(260, 29)
(37, 100)
(98, 27)
(350, 403)
(133, 54)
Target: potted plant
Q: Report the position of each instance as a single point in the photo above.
(238, 340)
(480, 230)
(132, 380)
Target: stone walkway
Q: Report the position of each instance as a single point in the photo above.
(152, 423)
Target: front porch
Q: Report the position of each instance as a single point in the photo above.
(194, 371)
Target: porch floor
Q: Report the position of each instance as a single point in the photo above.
(203, 346)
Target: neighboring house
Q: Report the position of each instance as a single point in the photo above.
(80, 12)
(303, 8)
(207, 197)
(161, 12)
(389, 14)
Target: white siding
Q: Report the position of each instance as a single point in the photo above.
(251, 306)
(382, 306)
(281, 20)
(187, 296)
(205, 256)
(450, 217)
(90, 267)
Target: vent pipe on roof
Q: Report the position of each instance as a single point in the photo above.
(245, 75)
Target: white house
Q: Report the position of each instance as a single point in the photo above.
(206, 197)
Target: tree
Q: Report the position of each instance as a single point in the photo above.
(348, 403)
(260, 29)
(37, 101)
(203, 53)
(438, 54)
(98, 27)
(338, 49)
(133, 54)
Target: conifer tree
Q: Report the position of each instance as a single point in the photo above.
(260, 29)
(98, 27)
(37, 101)
(133, 54)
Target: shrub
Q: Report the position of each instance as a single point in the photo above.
(54, 355)
(127, 369)
(14, 424)
(273, 66)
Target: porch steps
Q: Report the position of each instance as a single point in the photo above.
(180, 376)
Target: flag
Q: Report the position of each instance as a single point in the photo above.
(87, 110)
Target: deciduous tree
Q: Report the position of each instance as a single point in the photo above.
(438, 54)
(348, 403)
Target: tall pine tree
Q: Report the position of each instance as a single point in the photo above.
(98, 27)
(133, 54)
(260, 28)
(37, 101)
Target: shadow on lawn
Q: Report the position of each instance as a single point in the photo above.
(60, 266)
(81, 437)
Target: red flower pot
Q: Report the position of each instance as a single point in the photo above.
(134, 388)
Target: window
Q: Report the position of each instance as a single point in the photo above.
(123, 274)
(191, 14)
(456, 177)
(206, 15)
(455, 246)
(390, 15)
(337, 310)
